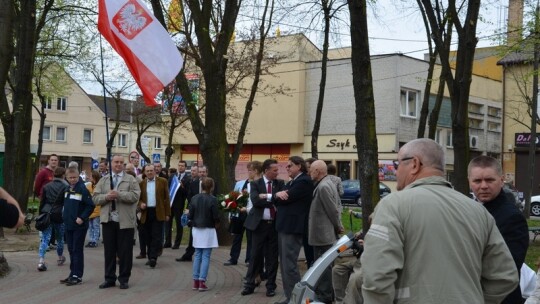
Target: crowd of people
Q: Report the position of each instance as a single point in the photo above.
(427, 242)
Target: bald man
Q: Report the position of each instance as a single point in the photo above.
(431, 244)
(323, 224)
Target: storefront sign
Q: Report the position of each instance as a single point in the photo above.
(524, 139)
(341, 145)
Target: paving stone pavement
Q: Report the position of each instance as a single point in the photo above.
(169, 282)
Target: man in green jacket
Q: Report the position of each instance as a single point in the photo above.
(431, 244)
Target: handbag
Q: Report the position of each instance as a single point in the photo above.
(43, 221)
(184, 220)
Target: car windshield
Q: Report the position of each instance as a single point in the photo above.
(351, 184)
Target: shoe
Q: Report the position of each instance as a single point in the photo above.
(229, 263)
(61, 260)
(167, 245)
(175, 247)
(52, 246)
(270, 292)
(195, 284)
(141, 256)
(88, 245)
(202, 286)
(42, 267)
(93, 245)
(152, 263)
(73, 281)
(64, 281)
(184, 259)
(247, 291)
(124, 286)
(106, 284)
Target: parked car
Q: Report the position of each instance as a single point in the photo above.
(351, 192)
(535, 205)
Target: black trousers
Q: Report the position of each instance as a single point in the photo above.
(142, 238)
(264, 235)
(237, 246)
(153, 234)
(176, 214)
(190, 250)
(117, 243)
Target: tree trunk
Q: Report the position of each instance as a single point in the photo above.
(18, 124)
(366, 135)
(322, 85)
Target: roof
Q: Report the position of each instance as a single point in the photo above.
(524, 53)
(125, 105)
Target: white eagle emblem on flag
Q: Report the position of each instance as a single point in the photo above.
(131, 19)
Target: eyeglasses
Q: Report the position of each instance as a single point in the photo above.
(396, 162)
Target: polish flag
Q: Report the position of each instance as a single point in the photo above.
(137, 36)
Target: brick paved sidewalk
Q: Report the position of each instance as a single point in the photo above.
(169, 282)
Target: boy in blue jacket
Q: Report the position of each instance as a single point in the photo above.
(78, 206)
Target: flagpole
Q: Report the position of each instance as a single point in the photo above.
(106, 114)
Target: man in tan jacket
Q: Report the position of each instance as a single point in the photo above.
(117, 216)
(155, 209)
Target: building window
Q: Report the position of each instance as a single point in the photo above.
(449, 139)
(475, 108)
(48, 103)
(46, 133)
(122, 140)
(157, 142)
(438, 137)
(87, 136)
(61, 104)
(61, 133)
(475, 123)
(494, 112)
(409, 101)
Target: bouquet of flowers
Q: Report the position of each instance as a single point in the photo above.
(233, 200)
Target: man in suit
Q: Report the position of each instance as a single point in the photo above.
(117, 216)
(292, 214)
(486, 180)
(324, 224)
(178, 204)
(155, 210)
(261, 221)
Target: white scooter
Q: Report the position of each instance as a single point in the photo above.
(304, 291)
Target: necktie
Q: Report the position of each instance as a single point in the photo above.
(115, 180)
(272, 208)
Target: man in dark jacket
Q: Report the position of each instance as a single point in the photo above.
(292, 214)
(78, 206)
(486, 181)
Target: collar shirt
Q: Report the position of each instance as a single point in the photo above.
(266, 214)
(151, 193)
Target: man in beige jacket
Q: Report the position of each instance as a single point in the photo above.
(117, 216)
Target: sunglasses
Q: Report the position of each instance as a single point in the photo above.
(396, 162)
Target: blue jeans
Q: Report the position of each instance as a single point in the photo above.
(201, 263)
(46, 237)
(94, 229)
(75, 243)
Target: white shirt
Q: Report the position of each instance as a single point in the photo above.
(151, 193)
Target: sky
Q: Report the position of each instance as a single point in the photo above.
(395, 26)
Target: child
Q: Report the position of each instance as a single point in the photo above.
(77, 208)
(93, 227)
(204, 218)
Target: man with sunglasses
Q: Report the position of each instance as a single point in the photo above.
(431, 244)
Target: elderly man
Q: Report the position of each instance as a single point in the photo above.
(117, 216)
(431, 244)
(324, 224)
(155, 210)
(486, 180)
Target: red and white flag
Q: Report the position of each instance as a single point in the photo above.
(137, 36)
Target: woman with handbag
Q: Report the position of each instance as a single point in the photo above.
(52, 200)
(204, 218)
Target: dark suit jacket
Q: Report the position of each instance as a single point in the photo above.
(292, 214)
(179, 201)
(193, 189)
(514, 230)
(163, 207)
(256, 213)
